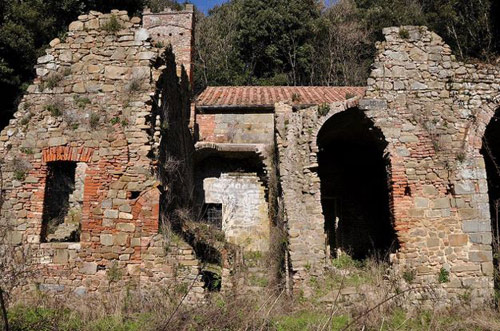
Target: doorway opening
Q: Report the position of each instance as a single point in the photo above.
(355, 192)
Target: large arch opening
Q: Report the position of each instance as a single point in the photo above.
(491, 153)
(355, 193)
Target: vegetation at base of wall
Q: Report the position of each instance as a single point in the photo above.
(265, 310)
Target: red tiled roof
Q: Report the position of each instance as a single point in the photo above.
(267, 96)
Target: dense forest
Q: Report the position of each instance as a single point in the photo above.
(259, 42)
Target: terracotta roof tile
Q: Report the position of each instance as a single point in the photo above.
(267, 96)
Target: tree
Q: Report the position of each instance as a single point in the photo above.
(274, 39)
(343, 50)
(26, 28)
(217, 59)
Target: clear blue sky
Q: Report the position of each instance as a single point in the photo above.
(205, 5)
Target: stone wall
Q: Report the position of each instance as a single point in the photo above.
(175, 28)
(245, 219)
(90, 104)
(432, 111)
(231, 127)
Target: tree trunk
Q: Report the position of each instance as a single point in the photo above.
(4, 311)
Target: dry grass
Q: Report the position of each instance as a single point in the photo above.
(268, 310)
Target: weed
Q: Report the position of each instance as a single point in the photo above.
(94, 120)
(54, 110)
(53, 80)
(26, 150)
(115, 120)
(344, 261)
(134, 85)
(323, 109)
(443, 276)
(20, 166)
(404, 34)
(74, 126)
(349, 95)
(159, 44)
(81, 102)
(112, 25)
(296, 97)
(124, 122)
(114, 273)
(409, 275)
(461, 157)
(19, 175)
(66, 71)
(26, 119)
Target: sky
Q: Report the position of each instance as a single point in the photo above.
(205, 5)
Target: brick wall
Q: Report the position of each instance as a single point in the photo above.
(432, 111)
(90, 103)
(230, 127)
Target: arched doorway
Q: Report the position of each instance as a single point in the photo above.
(491, 153)
(354, 186)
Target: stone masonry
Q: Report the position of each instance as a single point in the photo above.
(91, 104)
(104, 110)
(432, 111)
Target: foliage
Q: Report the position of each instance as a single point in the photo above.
(443, 276)
(112, 25)
(304, 42)
(94, 120)
(81, 102)
(54, 109)
(26, 28)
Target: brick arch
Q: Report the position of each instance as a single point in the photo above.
(67, 153)
(479, 125)
(335, 108)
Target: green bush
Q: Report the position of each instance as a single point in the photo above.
(112, 25)
(54, 110)
(443, 276)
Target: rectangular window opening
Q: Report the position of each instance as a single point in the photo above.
(213, 214)
(63, 200)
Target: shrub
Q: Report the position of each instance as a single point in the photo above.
(94, 120)
(409, 275)
(112, 25)
(134, 85)
(115, 120)
(443, 276)
(404, 34)
(81, 102)
(323, 109)
(54, 109)
(53, 80)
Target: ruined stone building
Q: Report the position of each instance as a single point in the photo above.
(106, 149)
